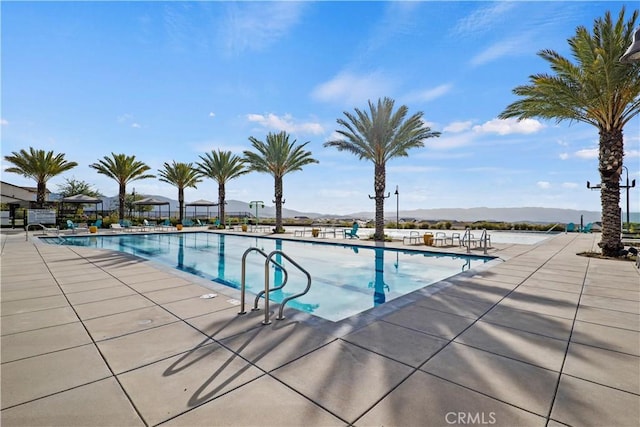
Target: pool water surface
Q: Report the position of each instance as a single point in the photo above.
(346, 279)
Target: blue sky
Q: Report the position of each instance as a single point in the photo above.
(170, 81)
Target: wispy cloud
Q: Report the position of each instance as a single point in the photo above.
(427, 94)
(482, 19)
(255, 26)
(543, 184)
(509, 47)
(509, 126)
(4, 122)
(587, 153)
(456, 127)
(286, 123)
(350, 89)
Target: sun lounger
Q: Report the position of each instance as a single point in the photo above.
(414, 238)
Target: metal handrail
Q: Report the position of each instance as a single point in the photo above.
(44, 229)
(266, 320)
(243, 278)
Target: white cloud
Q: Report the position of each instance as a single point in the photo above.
(544, 184)
(509, 126)
(450, 142)
(564, 156)
(350, 89)
(482, 19)
(136, 125)
(587, 153)
(212, 114)
(496, 51)
(4, 122)
(286, 123)
(631, 153)
(428, 94)
(254, 26)
(456, 127)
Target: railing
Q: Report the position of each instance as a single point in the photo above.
(243, 276)
(469, 239)
(269, 260)
(43, 227)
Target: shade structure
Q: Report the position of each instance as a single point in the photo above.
(151, 201)
(82, 199)
(203, 203)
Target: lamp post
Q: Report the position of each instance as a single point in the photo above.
(397, 209)
(627, 187)
(256, 204)
(633, 53)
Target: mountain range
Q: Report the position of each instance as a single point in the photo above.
(524, 214)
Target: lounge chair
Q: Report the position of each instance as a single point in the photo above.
(187, 223)
(587, 228)
(116, 227)
(414, 238)
(75, 227)
(571, 227)
(98, 223)
(165, 225)
(353, 233)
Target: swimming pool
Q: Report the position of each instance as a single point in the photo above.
(346, 279)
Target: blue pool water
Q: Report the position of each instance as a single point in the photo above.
(346, 279)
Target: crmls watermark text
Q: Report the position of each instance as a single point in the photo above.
(470, 418)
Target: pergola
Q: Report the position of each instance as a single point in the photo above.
(201, 202)
(81, 199)
(150, 201)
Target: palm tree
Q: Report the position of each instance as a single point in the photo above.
(123, 169)
(181, 175)
(222, 166)
(40, 166)
(278, 157)
(380, 135)
(597, 89)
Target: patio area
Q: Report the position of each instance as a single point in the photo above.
(98, 338)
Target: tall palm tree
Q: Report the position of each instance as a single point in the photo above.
(40, 166)
(181, 175)
(277, 157)
(597, 89)
(380, 135)
(123, 169)
(222, 166)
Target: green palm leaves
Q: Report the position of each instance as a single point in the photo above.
(38, 165)
(378, 136)
(123, 169)
(180, 175)
(596, 89)
(222, 166)
(277, 157)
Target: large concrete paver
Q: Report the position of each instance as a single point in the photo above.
(263, 402)
(415, 404)
(345, 379)
(101, 403)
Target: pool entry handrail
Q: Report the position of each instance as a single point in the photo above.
(243, 278)
(265, 293)
(266, 320)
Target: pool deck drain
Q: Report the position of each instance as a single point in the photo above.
(93, 337)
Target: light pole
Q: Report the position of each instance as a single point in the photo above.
(627, 187)
(397, 209)
(633, 53)
(256, 204)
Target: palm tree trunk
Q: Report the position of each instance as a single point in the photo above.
(121, 196)
(41, 192)
(610, 166)
(278, 194)
(180, 202)
(379, 183)
(221, 197)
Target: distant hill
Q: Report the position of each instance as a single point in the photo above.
(526, 214)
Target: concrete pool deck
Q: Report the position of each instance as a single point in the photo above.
(93, 337)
